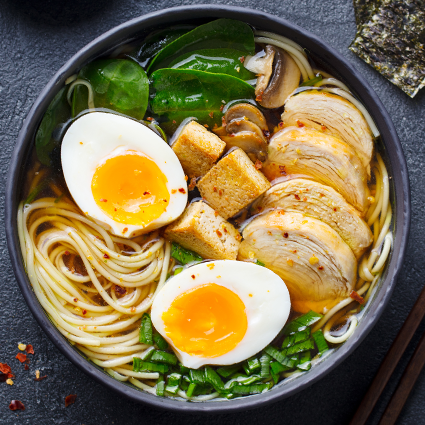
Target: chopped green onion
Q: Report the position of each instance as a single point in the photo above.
(197, 376)
(145, 332)
(275, 353)
(184, 385)
(160, 386)
(184, 370)
(147, 353)
(312, 82)
(265, 365)
(250, 389)
(35, 192)
(173, 383)
(260, 263)
(183, 255)
(226, 371)
(242, 380)
(305, 361)
(141, 366)
(160, 341)
(320, 341)
(291, 361)
(253, 364)
(302, 322)
(177, 271)
(59, 198)
(190, 390)
(277, 368)
(212, 378)
(164, 357)
(302, 335)
(288, 341)
(300, 347)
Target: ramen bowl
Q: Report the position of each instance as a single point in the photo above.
(327, 59)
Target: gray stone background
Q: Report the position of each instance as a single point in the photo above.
(36, 38)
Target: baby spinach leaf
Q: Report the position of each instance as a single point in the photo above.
(218, 34)
(216, 61)
(57, 113)
(182, 93)
(156, 41)
(118, 84)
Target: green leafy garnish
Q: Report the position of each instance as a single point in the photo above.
(160, 386)
(320, 341)
(160, 341)
(260, 263)
(145, 331)
(164, 357)
(311, 82)
(302, 322)
(141, 366)
(183, 255)
(35, 192)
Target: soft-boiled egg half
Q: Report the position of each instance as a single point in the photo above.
(121, 174)
(221, 312)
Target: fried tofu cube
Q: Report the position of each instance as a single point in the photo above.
(202, 230)
(197, 149)
(232, 184)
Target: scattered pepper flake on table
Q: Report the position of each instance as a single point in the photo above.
(29, 349)
(21, 357)
(70, 399)
(16, 405)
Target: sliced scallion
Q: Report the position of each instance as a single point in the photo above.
(173, 383)
(312, 82)
(300, 347)
(275, 353)
(253, 364)
(161, 343)
(250, 389)
(145, 332)
(141, 366)
(260, 263)
(305, 361)
(197, 376)
(190, 390)
(320, 341)
(183, 255)
(277, 367)
(146, 355)
(265, 365)
(213, 378)
(184, 369)
(160, 386)
(302, 322)
(164, 357)
(226, 371)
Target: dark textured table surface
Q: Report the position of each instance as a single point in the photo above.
(36, 38)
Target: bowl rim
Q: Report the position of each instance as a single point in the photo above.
(338, 63)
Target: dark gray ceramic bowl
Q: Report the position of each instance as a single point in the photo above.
(327, 59)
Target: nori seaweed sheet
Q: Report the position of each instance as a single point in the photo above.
(392, 41)
(363, 10)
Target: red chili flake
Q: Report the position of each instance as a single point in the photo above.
(192, 183)
(321, 195)
(29, 349)
(149, 118)
(165, 200)
(193, 276)
(225, 230)
(84, 312)
(223, 121)
(220, 192)
(221, 108)
(5, 368)
(120, 290)
(281, 124)
(70, 399)
(214, 189)
(297, 197)
(285, 235)
(125, 229)
(211, 114)
(146, 193)
(258, 164)
(181, 190)
(21, 357)
(299, 124)
(3, 377)
(75, 300)
(323, 128)
(185, 177)
(105, 255)
(282, 170)
(206, 125)
(40, 378)
(26, 367)
(66, 252)
(216, 213)
(335, 209)
(174, 122)
(115, 209)
(173, 191)
(266, 134)
(294, 251)
(242, 59)
(259, 97)
(355, 296)
(16, 405)
(219, 234)
(103, 200)
(320, 267)
(305, 199)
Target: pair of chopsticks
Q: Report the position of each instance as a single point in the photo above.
(387, 367)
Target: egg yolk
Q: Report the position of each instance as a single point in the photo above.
(130, 188)
(206, 321)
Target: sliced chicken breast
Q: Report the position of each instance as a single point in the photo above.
(333, 115)
(316, 200)
(317, 266)
(327, 159)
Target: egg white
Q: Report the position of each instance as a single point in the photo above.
(94, 137)
(267, 310)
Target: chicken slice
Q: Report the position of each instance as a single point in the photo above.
(334, 115)
(317, 266)
(327, 159)
(316, 200)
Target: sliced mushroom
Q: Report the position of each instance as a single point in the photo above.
(246, 110)
(333, 115)
(251, 143)
(238, 125)
(327, 159)
(262, 65)
(317, 266)
(314, 199)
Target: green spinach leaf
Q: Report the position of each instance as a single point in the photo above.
(216, 61)
(57, 113)
(118, 84)
(218, 34)
(181, 93)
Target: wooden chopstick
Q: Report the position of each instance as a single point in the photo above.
(406, 384)
(390, 362)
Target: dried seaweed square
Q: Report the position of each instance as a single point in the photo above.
(392, 41)
(363, 10)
